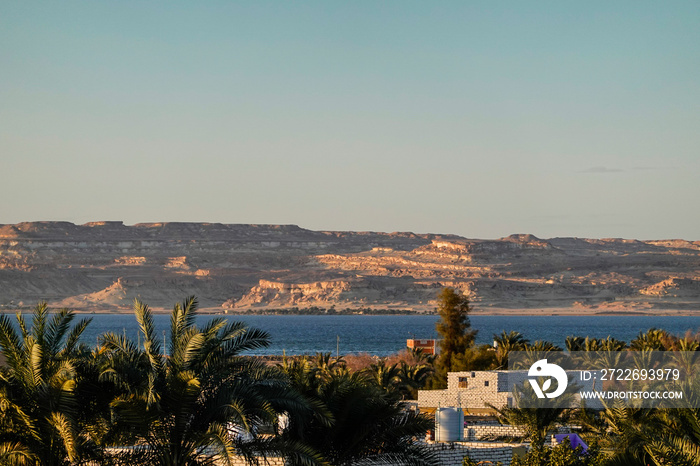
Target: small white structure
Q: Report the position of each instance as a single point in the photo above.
(474, 391)
(471, 391)
(449, 425)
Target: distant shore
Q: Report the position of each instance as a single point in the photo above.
(587, 312)
(570, 311)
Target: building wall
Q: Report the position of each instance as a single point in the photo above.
(469, 390)
(487, 432)
(484, 432)
(269, 461)
(452, 454)
(427, 346)
(475, 390)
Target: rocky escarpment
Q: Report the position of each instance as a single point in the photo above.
(105, 265)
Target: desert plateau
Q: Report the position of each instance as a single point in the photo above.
(103, 266)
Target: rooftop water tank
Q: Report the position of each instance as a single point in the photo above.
(449, 425)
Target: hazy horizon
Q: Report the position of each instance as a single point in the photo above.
(479, 119)
(352, 231)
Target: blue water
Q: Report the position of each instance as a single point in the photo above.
(383, 335)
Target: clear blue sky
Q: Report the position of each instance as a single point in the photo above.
(481, 119)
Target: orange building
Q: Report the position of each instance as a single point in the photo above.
(427, 346)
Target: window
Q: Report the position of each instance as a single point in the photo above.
(463, 382)
(473, 374)
(486, 383)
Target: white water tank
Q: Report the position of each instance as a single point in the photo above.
(449, 425)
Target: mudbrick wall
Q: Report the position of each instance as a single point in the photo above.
(469, 390)
(487, 432)
(452, 454)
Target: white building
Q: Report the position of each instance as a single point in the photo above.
(474, 391)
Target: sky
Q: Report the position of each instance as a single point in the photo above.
(476, 118)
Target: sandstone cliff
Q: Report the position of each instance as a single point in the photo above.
(105, 265)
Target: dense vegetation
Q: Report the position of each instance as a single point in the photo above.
(620, 435)
(200, 400)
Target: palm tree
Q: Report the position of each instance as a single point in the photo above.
(420, 357)
(654, 339)
(507, 342)
(575, 343)
(542, 346)
(539, 417)
(300, 371)
(326, 363)
(412, 378)
(13, 422)
(675, 434)
(595, 352)
(366, 423)
(623, 432)
(40, 410)
(534, 352)
(612, 344)
(686, 356)
(203, 402)
(678, 442)
(386, 377)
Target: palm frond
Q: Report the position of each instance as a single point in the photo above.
(36, 365)
(41, 312)
(151, 345)
(22, 324)
(55, 332)
(112, 341)
(10, 342)
(245, 340)
(213, 326)
(296, 453)
(182, 318)
(16, 454)
(192, 350)
(217, 438)
(64, 429)
(74, 335)
(673, 449)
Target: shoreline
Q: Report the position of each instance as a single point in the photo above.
(582, 312)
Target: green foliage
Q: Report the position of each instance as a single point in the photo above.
(576, 343)
(454, 330)
(183, 409)
(454, 327)
(505, 343)
(678, 440)
(622, 432)
(537, 422)
(40, 412)
(200, 401)
(561, 455)
(470, 462)
(475, 358)
(386, 377)
(359, 416)
(401, 380)
(654, 339)
(326, 363)
(413, 378)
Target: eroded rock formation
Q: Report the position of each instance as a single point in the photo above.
(103, 266)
